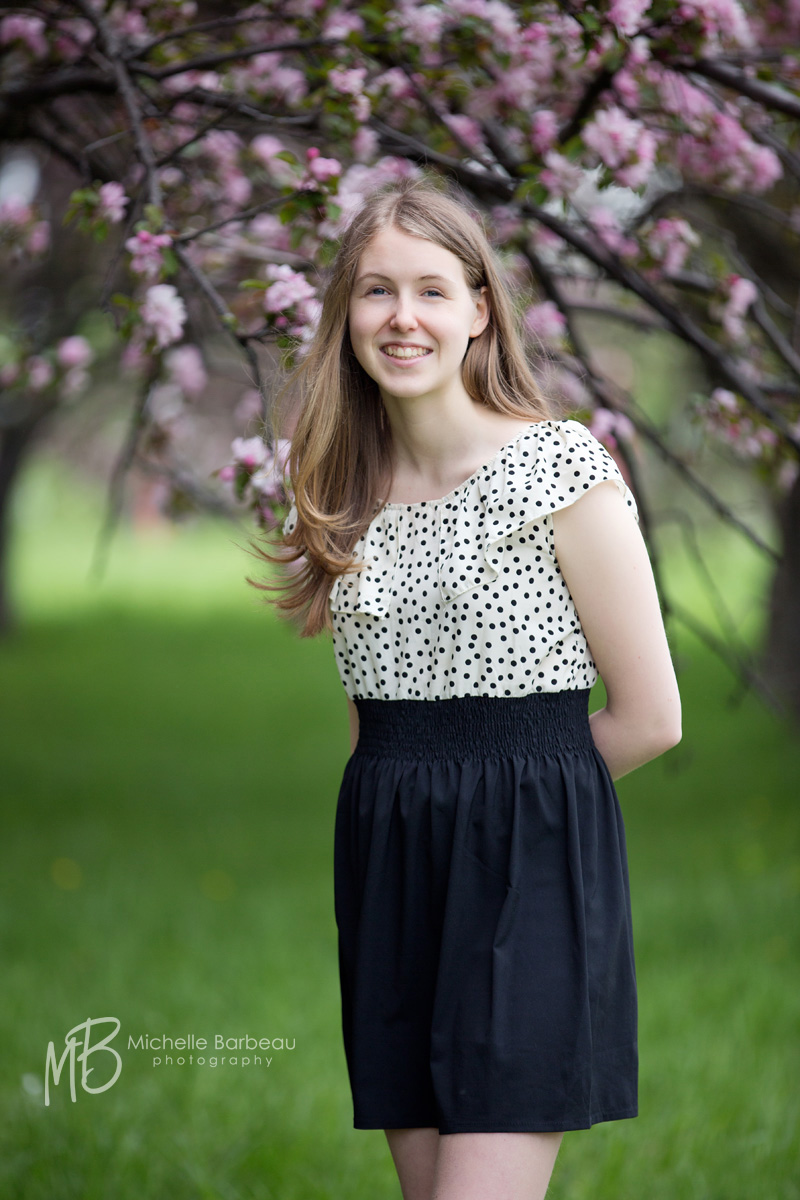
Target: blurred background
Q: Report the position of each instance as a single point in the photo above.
(171, 755)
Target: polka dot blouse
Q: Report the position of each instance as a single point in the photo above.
(463, 596)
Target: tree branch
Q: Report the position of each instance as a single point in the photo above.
(492, 185)
(764, 93)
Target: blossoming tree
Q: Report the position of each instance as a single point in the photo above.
(614, 147)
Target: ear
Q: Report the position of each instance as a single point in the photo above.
(483, 312)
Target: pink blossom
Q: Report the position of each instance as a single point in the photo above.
(266, 75)
(112, 202)
(421, 23)
(544, 129)
(626, 86)
(545, 321)
(606, 224)
(724, 399)
(74, 351)
(638, 172)
(71, 36)
(129, 23)
(507, 222)
(607, 425)
(9, 374)
(146, 250)
(281, 454)
(323, 169)
(266, 468)
(266, 147)
(308, 314)
(723, 22)
(365, 144)
(680, 97)
(15, 211)
(249, 452)
(742, 292)
(39, 238)
(223, 145)
(669, 242)
(265, 483)
(170, 177)
(724, 153)
(134, 357)
(248, 406)
(40, 373)
(626, 15)
(467, 129)
(267, 228)
(499, 16)
(163, 313)
(787, 474)
(396, 83)
(349, 202)
(612, 135)
(349, 82)
(560, 176)
(30, 30)
(361, 108)
(186, 369)
(208, 81)
(737, 294)
(236, 187)
(341, 24)
(638, 52)
(765, 167)
(289, 288)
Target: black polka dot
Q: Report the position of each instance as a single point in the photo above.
(447, 604)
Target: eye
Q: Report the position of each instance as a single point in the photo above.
(378, 287)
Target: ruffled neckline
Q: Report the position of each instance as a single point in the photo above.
(519, 436)
(520, 485)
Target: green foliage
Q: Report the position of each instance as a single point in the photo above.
(154, 218)
(130, 313)
(81, 211)
(169, 262)
(177, 777)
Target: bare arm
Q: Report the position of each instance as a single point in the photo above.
(603, 560)
(352, 712)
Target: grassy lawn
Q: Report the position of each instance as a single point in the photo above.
(169, 762)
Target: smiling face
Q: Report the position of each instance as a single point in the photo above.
(411, 315)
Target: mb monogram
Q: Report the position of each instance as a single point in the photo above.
(84, 1041)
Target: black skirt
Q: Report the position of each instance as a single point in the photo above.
(483, 914)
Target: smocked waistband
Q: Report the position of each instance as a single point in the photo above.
(475, 726)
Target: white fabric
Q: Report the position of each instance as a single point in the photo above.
(462, 595)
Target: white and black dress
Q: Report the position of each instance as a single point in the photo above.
(481, 881)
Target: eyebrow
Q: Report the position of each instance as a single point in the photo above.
(419, 279)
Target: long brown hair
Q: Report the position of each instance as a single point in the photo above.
(341, 447)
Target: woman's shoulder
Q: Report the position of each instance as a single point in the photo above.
(548, 469)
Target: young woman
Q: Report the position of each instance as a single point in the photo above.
(481, 887)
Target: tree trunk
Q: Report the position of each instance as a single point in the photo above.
(781, 652)
(15, 441)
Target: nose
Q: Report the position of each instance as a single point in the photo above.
(403, 316)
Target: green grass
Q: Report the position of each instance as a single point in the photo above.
(170, 760)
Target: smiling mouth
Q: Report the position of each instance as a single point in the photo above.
(405, 351)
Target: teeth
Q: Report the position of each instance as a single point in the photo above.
(405, 351)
